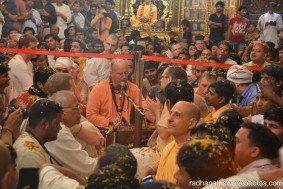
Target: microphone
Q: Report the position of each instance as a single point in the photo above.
(123, 88)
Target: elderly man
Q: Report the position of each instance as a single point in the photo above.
(246, 89)
(97, 69)
(106, 105)
(66, 149)
(86, 133)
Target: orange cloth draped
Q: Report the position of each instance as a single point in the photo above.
(213, 116)
(103, 34)
(167, 165)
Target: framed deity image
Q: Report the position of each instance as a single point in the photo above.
(201, 26)
(232, 3)
(202, 3)
(194, 14)
(191, 14)
(195, 3)
(188, 3)
(201, 14)
(187, 14)
(195, 26)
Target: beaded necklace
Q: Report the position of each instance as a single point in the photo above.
(150, 10)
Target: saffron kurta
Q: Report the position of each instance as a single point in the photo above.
(167, 165)
(213, 116)
(102, 26)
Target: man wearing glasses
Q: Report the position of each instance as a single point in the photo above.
(66, 149)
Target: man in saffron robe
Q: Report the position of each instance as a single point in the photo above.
(105, 104)
(146, 15)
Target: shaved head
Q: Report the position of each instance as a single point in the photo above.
(190, 109)
(183, 117)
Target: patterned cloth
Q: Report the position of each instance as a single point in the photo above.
(26, 99)
(30, 153)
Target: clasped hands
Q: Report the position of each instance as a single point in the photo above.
(144, 19)
(114, 121)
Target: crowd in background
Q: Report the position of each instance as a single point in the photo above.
(209, 123)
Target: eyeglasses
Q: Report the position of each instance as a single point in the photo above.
(123, 73)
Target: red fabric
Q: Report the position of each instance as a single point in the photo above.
(238, 29)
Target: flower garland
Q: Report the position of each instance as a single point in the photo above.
(150, 11)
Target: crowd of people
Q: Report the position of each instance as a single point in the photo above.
(211, 124)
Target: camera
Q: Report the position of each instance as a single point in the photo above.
(13, 108)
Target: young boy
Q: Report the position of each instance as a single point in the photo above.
(237, 28)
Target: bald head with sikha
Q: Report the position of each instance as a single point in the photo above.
(119, 71)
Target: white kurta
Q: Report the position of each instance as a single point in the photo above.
(31, 24)
(51, 178)
(62, 24)
(79, 19)
(21, 75)
(96, 70)
(270, 32)
(70, 154)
